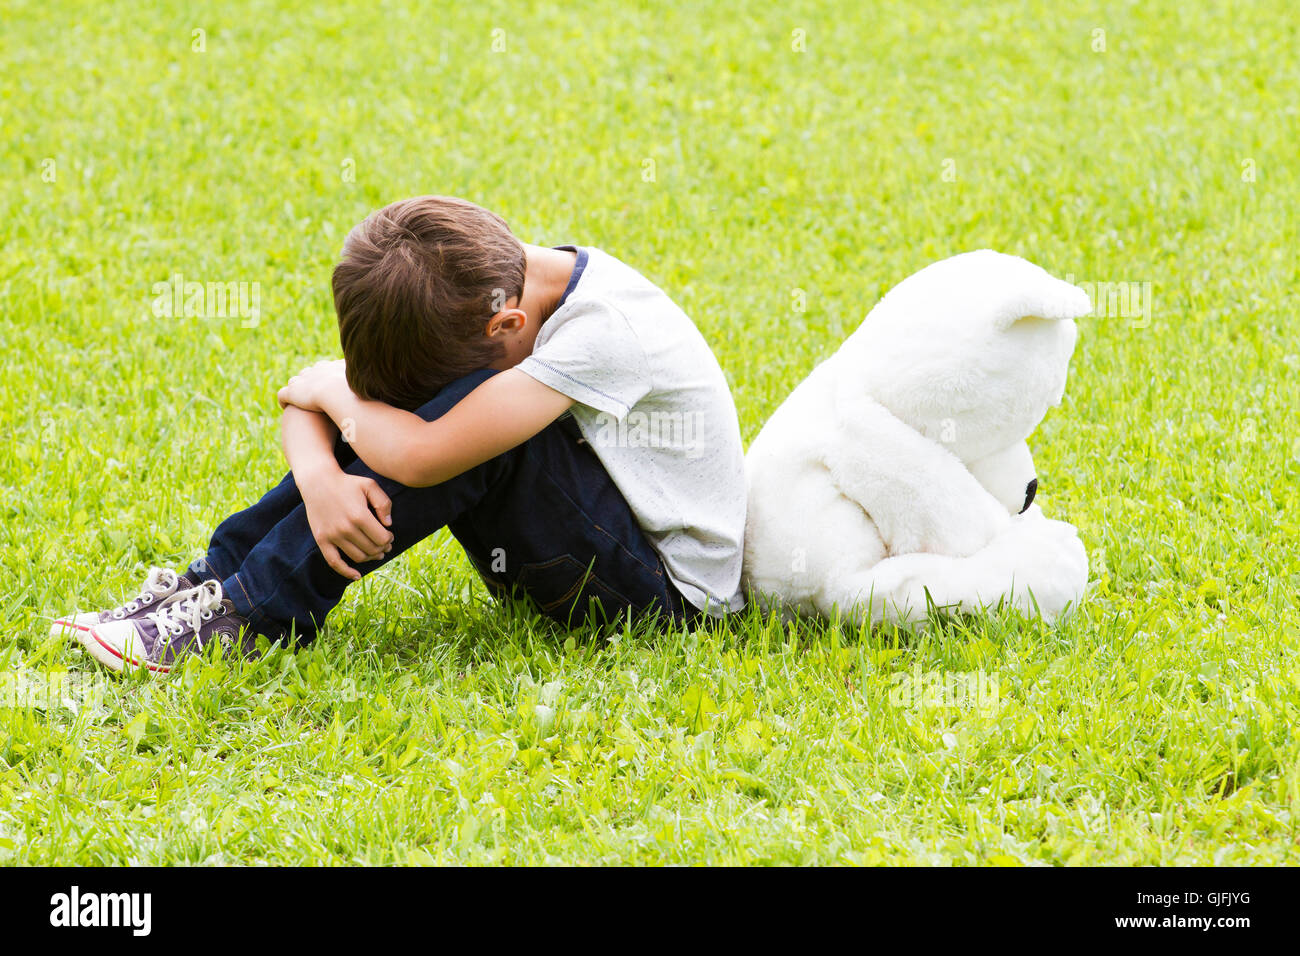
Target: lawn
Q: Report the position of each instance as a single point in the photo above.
(776, 169)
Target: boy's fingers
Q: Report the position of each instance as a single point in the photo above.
(285, 396)
(352, 550)
(361, 548)
(335, 561)
(382, 504)
(374, 535)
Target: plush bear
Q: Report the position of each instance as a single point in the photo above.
(896, 476)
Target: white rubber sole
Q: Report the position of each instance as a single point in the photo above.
(109, 656)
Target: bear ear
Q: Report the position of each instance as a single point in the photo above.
(1061, 304)
(1022, 290)
(982, 291)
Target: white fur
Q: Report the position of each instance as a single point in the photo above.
(899, 466)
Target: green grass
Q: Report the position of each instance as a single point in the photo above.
(1156, 726)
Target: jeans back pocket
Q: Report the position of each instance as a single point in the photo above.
(564, 589)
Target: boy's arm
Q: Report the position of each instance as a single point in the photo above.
(347, 513)
(307, 439)
(505, 411)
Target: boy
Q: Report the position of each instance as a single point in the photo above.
(551, 406)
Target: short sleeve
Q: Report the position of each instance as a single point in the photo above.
(588, 351)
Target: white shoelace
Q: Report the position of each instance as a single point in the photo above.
(190, 610)
(160, 583)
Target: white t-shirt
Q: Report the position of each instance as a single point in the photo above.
(652, 401)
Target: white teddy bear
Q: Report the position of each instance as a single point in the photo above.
(897, 475)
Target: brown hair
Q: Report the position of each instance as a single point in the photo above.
(414, 289)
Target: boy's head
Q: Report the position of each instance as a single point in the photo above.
(415, 287)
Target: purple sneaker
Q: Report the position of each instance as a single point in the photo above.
(160, 586)
(159, 640)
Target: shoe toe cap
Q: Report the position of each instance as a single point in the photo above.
(71, 623)
(119, 639)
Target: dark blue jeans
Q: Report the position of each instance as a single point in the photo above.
(542, 521)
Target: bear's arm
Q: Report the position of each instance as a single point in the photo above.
(920, 495)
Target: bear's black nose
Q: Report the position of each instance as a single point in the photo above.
(1031, 489)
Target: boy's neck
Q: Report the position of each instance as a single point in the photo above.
(546, 276)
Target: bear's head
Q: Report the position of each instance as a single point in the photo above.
(972, 351)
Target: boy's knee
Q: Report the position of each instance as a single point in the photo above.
(453, 392)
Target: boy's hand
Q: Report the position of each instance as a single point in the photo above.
(349, 516)
(307, 389)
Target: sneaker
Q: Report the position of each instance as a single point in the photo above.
(159, 640)
(160, 586)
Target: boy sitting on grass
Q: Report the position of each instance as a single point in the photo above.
(551, 406)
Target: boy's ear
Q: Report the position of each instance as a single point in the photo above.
(506, 322)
